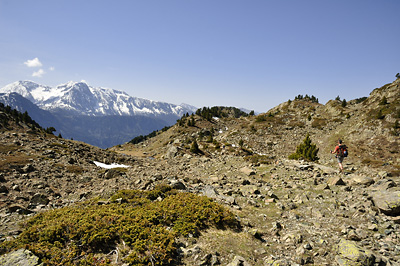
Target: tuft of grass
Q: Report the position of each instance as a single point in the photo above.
(319, 123)
(75, 169)
(144, 229)
(55, 144)
(13, 162)
(4, 149)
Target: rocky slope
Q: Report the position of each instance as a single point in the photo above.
(290, 212)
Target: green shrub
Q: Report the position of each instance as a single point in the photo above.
(380, 115)
(194, 148)
(383, 101)
(145, 231)
(306, 151)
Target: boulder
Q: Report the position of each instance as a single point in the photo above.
(172, 152)
(20, 257)
(247, 171)
(384, 184)
(350, 254)
(176, 184)
(361, 180)
(210, 191)
(39, 199)
(387, 201)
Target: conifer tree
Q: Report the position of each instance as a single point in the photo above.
(306, 151)
(383, 101)
(195, 147)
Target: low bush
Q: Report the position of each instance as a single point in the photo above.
(144, 230)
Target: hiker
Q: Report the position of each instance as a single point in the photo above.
(340, 151)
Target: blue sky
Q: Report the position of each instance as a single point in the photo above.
(253, 54)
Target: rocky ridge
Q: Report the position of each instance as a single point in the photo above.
(291, 212)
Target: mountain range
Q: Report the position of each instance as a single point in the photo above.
(99, 116)
(59, 206)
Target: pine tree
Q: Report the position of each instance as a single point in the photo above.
(306, 151)
(344, 103)
(241, 143)
(383, 101)
(195, 147)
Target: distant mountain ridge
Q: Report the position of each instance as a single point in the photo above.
(98, 116)
(80, 98)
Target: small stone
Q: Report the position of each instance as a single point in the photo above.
(21, 257)
(3, 189)
(238, 261)
(336, 181)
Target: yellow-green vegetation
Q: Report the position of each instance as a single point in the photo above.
(259, 159)
(319, 123)
(136, 223)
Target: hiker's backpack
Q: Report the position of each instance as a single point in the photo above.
(342, 151)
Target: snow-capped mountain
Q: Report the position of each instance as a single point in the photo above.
(98, 116)
(80, 98)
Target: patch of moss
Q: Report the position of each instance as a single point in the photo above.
(83, 234)
(55, 144)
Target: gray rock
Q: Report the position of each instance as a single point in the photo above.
(247, 171)
(239, 261)
(349, 253)
(210, 192)
(172, 152)
(112, 173)
(305, 166)
(18, 209)
(39, 199)
(384, 184)
(387, 201)
(28, 168)
(176, 184)
(383, 174)
(361, 180)
(21, 257)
